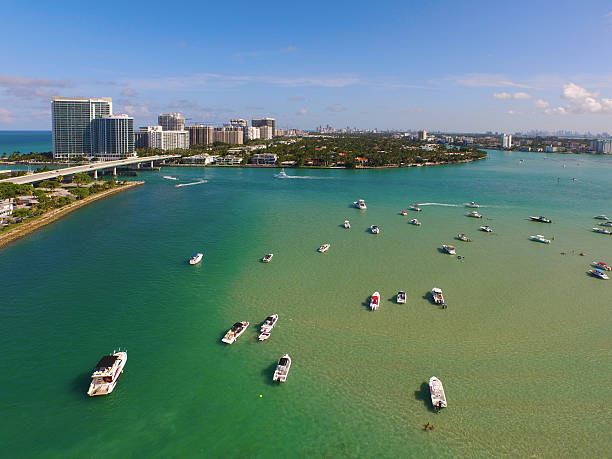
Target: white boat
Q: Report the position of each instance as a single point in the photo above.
(540, 238)
(472, 204)
(486, 229)
(269, 323)
(415, 207)
(374, 229)
(541, 219)
(347, 224)
(601, 217)
(168, 177)
(375, 301)
(401, 297)
(438, 397)
(599, 273)
(324, 248)
(450, 249)
(463, 237)
(601, 230)
(196, 258)
(282, 369)
(234, 333)
(474, 214)
(263, 336)
(361, 205)
(404, 212)
(282, 174)
(415, 222)
(606, 224)
(107, 372)
(601, 265)
(267, 258)
(438, 297)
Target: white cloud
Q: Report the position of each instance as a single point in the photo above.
(502, 95)
(336, 108)
(583, 101)
(513, 112)
(302, 112)
(507, 95)
(541, 103)
(522, 95)
(486, 80)
(556, 111)
(6, 116)
(128, 92)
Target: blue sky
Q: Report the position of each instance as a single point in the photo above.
(447, 65)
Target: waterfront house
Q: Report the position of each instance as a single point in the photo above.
(6, 207)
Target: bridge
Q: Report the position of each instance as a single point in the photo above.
(93, 167)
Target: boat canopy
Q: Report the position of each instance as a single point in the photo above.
(283, 361)
(107, 361)
(599, 271)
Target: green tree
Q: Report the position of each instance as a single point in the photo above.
(81, 179)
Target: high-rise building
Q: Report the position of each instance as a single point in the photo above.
(266, 132)
(171, 121)
(200, 134)
(157, 137)
(601, 146)
(112, 137)
(239, 122)
(71, 124)
(422, 136)
(261, 122)
(505, 141)
(229, 134)
(252, 133)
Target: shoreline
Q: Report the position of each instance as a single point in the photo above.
(28, 227)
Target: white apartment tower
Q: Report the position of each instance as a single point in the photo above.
(506, 141)
(171, 121)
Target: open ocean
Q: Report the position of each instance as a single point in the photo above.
(523, 350)
(25, 142)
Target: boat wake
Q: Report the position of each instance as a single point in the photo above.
(283, 175)
(192, 183)
(168, 177)
(439, 204)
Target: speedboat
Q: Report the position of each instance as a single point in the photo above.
(474, 214)
(269, 323)
(281, 174)
(472, 204)
(234, 333)
(541, 219)
(374, 229)
(450, 249)
(486, 229)
(267, 258)
(415, 222)
(195, 258)
(107, 372)
(282, 369)
(361, 205)
(401, 297)
(347, 224)
(415, 207)
(263, 336)
(599, 273)
(463, 237)
(601, 265)
(404, 212)
(324, 248)
(540, 238)
(601, 217)
(436, 293)
(601, 230)
(438, 397)
(605, 224)
(375, 301)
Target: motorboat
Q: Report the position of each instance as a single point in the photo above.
(601, 217)
(601, 265)
(324, 248)
(541, 219)
(486, 229)
(361, 205)
(472, 204)
(605, 224)
(282, 174)
(599, 273)
(438, 397)
(375, 301)
(267, 258)
(463, 237)
(450, 249)
(282, 369)
(374, 229)
(196, 258)
(263, 336)
(106, 374)
(234, 333)
(269, 323)
(404, 212)
(347, 224)
(438, 297)
(474, 214)
(601, 230)
(415, 222)
(401, 297)
(415, 207)
(540, 238)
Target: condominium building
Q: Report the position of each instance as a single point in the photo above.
(200, 134)
(229, 160)
(228, 134)
(266, 132)
(264, 158)
(239, 122)
(422, 136)
(171, 121)
(157, 137)
(6, 207)
(71, 124)
(112, 137)
(505, 141)
(252, 133)
(601, 146)
(262, 122)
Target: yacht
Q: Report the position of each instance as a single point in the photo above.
(347, 224)
(601, 217)
(474, 214)
(374, 229)
(361, 205)
(540, 238)
(401, 297)
(415, 207)
(599, 273)
(282, 174)
(472, 204)
(541, 219)
(415, 222)
(463, 237)
(605, 224)
(601, 230)
(269, 323)
(107, 372)
(404, 212)
(375, 301)
(282, 369)
(436, 293)
(324, 248)
(450, 249)
(486, 229)
(234, 333)
(601, 265)
(267, 258)
(438, 397)
(195, 258)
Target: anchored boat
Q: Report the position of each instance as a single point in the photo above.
(472, 204)
(234, 333)
(107, 372)
(438, 297)
(401, 297)
(267, 258)
(438, 397)
(541, 219)
(374, 229)
(601, 230)
(361, 205)
(324, 248)
(347, 224)
(486, 229)
(415, 222)
(474, 214)
(375, 301)
(540, 238)
(195, 258)
(601, 265)
(463, 237)
(450, 249)
(415, 207)
(599, 273)
(282, 369)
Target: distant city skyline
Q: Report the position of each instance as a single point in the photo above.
(474, 66)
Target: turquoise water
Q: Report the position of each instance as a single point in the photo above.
(523, 350)
(25, 142)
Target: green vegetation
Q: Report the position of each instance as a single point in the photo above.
(11, 190)
(37, 157)
(81, 179)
